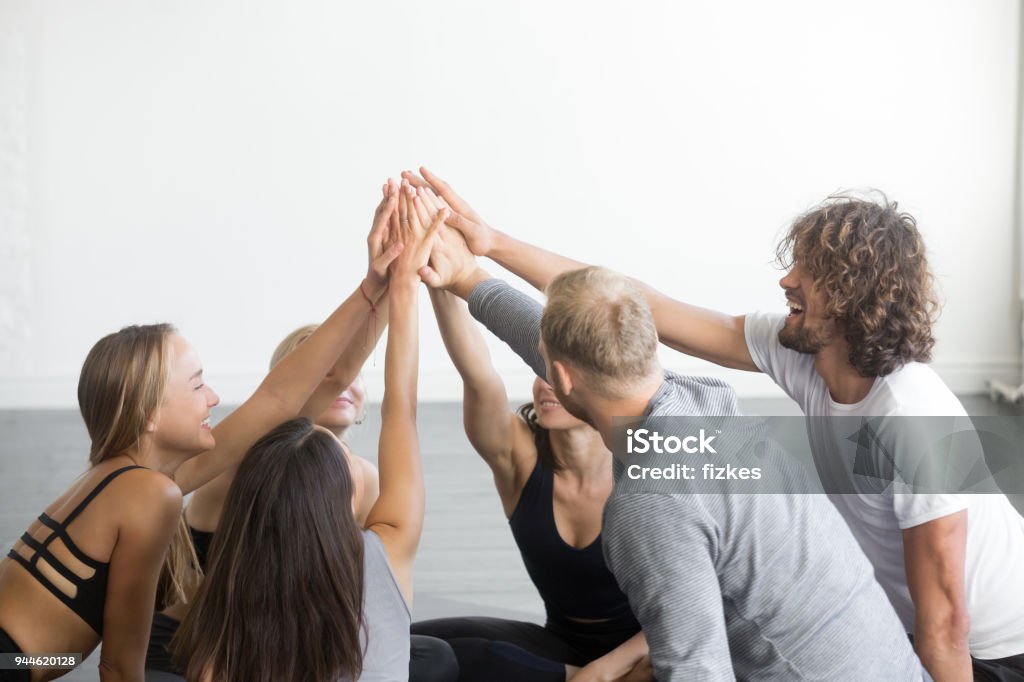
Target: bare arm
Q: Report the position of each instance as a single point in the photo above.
(695, 331)
(934, 559)
(287, 388)
(397, 517)
(371, 487)
(151, 516)
(490, 424)
(381, 251)
(702, 333)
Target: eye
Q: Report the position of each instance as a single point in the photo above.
(199, 387)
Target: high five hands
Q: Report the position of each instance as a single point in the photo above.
(417, 230)
(443, 230)
(478, 235)
(383, 245)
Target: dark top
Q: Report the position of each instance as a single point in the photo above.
(574, 583)
(201, 539)
(90, 593)
(163, 628)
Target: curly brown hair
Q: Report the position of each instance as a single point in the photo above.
(869, 260)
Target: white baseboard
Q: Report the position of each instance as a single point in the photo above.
(59, 392)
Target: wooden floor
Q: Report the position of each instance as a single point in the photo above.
(467, 564)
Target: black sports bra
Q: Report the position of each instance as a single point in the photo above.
(574, 583)
(91, 592)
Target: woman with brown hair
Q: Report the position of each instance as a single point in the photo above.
(340, 399)
(88, 569)
(295, 590)
(553, 475)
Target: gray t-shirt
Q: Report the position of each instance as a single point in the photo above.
(748, 586)
(386, 617)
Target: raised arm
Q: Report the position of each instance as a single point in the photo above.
(490, 424)
(702, 333)
(509, 314)
(534, 264)
(290, 384)
(397, 517)
(689, 329)
(381, 251)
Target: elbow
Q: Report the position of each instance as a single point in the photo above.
(948, 630)
(278, 400)
(119, 671)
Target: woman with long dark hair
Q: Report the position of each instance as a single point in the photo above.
(295, 590)
(336, 404)
(553, 475)
(88, 569)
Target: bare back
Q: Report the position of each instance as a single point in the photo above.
(32, 613)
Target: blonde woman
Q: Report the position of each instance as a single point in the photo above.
(88, 569)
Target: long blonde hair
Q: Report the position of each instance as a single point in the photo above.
(120, 388)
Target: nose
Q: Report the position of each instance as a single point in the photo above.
(790, 279)
(212, 399)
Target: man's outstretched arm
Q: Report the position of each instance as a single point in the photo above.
(703, 333)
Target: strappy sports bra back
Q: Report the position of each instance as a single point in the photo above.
(90, 593)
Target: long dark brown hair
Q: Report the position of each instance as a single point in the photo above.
(283, 597)
(869, 259)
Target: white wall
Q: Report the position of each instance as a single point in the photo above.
(216, 163)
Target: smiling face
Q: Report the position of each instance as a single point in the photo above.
(346, 409)
(182, 423)
(551, 415)
(806, 330)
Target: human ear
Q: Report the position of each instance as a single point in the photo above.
(562, 378)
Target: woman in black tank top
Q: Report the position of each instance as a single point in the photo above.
(88, 568)
(553, 475)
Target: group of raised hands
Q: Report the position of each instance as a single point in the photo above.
(423, 227)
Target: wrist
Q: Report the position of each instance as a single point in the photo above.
(465, 285)
(500, 244)
(373, 288)
(403, 285)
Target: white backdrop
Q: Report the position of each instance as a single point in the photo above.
(215, 163)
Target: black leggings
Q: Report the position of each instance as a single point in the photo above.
(507, 650)
(430, 659)
(1009, 669)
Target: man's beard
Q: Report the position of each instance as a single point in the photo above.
(570, 406)
(578, 412)
(804, 340)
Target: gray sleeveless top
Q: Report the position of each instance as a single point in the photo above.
(386, 617)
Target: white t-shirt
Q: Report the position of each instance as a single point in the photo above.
(994, 563)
